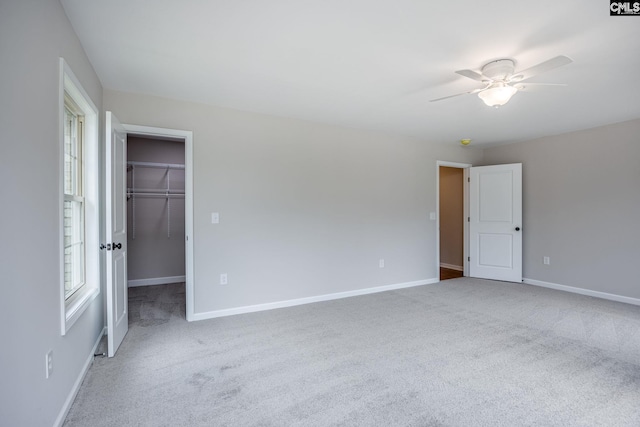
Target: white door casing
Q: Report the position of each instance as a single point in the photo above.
(187, 136)
(495, 224)
(116, 232)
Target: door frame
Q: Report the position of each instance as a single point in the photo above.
(465, 239)
(188, 200)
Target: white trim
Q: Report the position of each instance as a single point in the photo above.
(156, 281)
(62, 415)
(188, 201)
(453, 164)
(309, 300)
(69, 83)
(581, 291)
(74, 310)
(465, 212)
(451, 266)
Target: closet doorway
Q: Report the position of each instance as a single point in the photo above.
(159, 213)
(452, 229)
(155, 210)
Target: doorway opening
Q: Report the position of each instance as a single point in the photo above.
(156, 258)
(173, 150)
(492, 221)
(452, 227)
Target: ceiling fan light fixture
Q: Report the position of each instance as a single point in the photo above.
(498, 94)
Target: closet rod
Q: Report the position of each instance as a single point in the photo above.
(156, 165)
(153, 190)
(159, 195)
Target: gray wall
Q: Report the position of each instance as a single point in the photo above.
(581, 206)
(154, 253)
(305, 209)
(33, 35)
(451, 216)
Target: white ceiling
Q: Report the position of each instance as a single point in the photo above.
(371, 64)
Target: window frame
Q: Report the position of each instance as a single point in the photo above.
(72, 92)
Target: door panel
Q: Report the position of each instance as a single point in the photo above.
(495, 194)
(116, 233)
(495, 250)
(120, 273)
(496, 197)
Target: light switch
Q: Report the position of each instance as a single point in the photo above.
(215, 218)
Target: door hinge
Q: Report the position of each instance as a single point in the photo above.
(469, 179)
(468, 258)
(468, 219)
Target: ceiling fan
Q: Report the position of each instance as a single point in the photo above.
(501, 81)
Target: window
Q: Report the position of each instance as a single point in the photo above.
(74, 248)
(79, 224)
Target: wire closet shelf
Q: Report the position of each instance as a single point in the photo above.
(166, 193)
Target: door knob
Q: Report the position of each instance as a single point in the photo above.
(517, 229)
(117, 246)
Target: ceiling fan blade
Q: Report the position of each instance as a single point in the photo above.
(543, 67)
(529, 87)
(472, 75)
(457, 94)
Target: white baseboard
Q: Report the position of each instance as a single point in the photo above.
(308, 300)
(156, 281)
(76, 386)
(581, 291)
(452, 267)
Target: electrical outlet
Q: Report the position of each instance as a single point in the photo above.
(48, 363)
(381, 263)
(215, 218)
(223, 279)
(546, 260)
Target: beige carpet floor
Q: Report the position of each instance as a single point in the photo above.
(464, 352)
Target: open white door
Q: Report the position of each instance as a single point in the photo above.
(495, 224)
(116, 232)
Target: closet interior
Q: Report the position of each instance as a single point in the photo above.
(155, 210)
